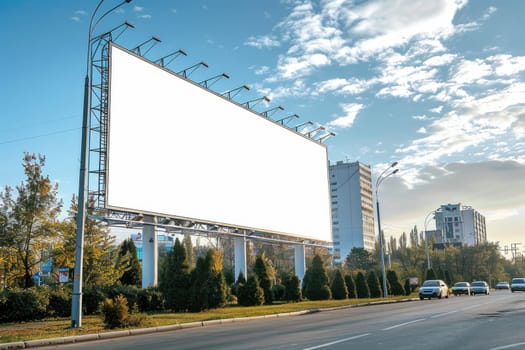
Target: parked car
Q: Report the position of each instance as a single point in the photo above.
(461, 288)
(503, 285)
(517, 284)
(479, 287)
(433, 288)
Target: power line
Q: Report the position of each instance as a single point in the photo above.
(38, 136)
(45, 121)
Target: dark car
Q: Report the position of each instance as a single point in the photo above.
(461, 288)
(517, 284)
(479, 287)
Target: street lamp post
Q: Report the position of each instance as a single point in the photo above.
(379, 180)
(426, 238)
(76, 302)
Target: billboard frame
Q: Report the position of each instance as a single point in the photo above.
(98, 170)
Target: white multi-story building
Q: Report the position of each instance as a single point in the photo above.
(460, 224)
(352, 208)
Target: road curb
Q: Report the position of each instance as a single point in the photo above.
(140, 331)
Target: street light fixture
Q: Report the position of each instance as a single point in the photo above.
(163, 61)
(311, 132)
(137, 49)
(433, 212)
(271, 111)
(324, 137)
(379, 180)
(76, 300)
(186, 72)
(251, 103)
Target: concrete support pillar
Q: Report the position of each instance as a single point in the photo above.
(300, 262)
(240, 256)
(149, 252)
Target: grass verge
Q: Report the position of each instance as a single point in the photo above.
(52, 328)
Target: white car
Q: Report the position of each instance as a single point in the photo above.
(479, 287)
(433, 288)
(517, 284)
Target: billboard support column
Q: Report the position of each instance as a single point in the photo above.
(240, 256)
(300, 263)
(149, 252)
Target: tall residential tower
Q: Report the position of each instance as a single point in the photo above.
(352, 208)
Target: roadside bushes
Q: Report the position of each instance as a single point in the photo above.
(23, 305)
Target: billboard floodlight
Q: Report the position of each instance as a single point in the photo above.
(210, 81)
(251, 103)
(311, 132)
(297, 127)
(153, 40)
(164, 61)
(327, 136)
(271, 111)
(186, 72)
(282, 120)
(233, 92)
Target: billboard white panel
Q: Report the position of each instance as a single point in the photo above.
(177, 149)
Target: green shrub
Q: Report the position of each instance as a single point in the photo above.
(251, 293)
(278, 291)
(92, 298)
(293, 288)
(338, 286)
(363, 292)
(350, 286)
(136, 320)
(115, 311)
(24, 305)
(59, 302)
(150, 299)
(373, 284)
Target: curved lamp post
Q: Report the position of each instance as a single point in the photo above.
(76, 302)
(426, 238)
(379, 180)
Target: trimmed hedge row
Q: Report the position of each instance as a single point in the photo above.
(20, 305)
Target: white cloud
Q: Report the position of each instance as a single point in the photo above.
(437, 109)
(350, 113)
(260, 42)
(421, 130)
(468, 72)
(138, 8)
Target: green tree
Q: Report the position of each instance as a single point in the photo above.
(316, 281)
(128, 260)
(373, 284)
(100, 258)
(251, 293)
(263, 272)
(363, 292)
(350, 286)
(358, 259)
(430, 275)
(338, 286)
(188, 245)
(174, 278)
(28, 222)
(292, 287)
(395, 285)
(208, 287)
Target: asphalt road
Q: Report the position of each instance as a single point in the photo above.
(496, 321)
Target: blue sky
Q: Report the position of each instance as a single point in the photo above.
(436, 85)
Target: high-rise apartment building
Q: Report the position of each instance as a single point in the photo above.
(352, 208)
(460, 225)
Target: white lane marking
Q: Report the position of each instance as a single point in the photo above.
(403, 324)
(337, 342)
(444, 314)
(508, 346)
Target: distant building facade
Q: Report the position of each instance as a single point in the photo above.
(459, 224)
(164, 242)
(352, 208)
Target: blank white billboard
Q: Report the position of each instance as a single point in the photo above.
(177, 149)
